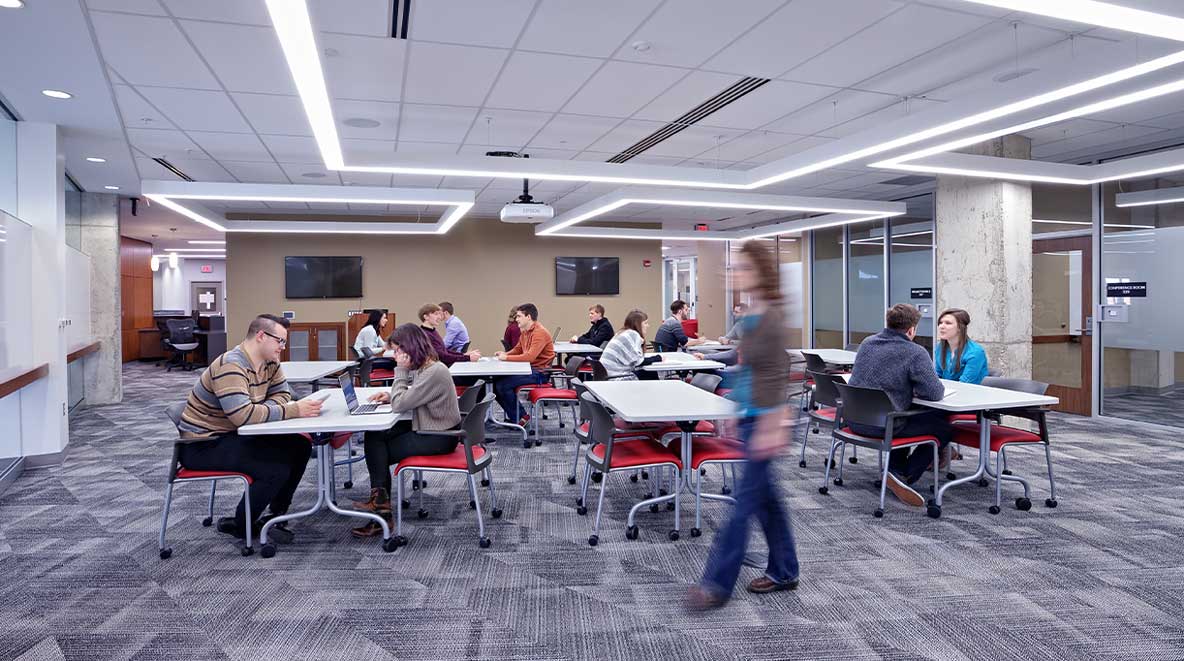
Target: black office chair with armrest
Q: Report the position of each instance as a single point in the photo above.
(181, 340)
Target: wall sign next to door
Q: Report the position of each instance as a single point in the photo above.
(921, 292)
(1126, 290)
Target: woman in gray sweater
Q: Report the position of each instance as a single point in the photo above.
(423, 386)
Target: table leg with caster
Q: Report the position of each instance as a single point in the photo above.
(984, 452)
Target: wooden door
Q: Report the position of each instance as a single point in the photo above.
(1062, 297)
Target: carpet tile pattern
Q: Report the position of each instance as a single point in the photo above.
(1099, 577)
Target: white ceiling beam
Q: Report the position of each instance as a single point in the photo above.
(1144, 198)
(1101, 14)
(996, 167)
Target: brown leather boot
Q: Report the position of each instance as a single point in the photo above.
(379, 503)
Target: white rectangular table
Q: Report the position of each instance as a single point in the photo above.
(711, 346)
(833, 356)
(492, 367)
(311, 371)
(664, 401)
(334, 418)
(575, 347)
(673, 361)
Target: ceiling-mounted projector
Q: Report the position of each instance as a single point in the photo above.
(524, 209)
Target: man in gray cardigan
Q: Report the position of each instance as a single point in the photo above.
(892, 362)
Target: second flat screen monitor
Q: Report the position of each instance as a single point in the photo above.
(587, 276)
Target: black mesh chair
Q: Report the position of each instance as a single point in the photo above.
(181, 340)
(871, 407)
(1003, 436)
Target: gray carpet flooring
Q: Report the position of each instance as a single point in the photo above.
(1100, 577)
(1163, 408)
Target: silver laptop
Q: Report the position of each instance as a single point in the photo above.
(351, 399)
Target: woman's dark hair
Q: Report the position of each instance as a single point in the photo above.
(963, 319)
(414, 342)
(375, 320)
(633, 322)
(764, 265)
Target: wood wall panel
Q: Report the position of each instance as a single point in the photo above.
(135, 279)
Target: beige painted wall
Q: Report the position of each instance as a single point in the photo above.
(482, 266)
(711, 288)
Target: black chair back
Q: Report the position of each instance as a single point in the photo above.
(573, 365)
(600, 427)
(705, 381)
(991, 371)
(864, 406)
(814, 363)
(661, 348)
(174, 412)
(1019, 385)
(473, 426)
(468, 398)
(599, 372)
(181, 331)
(367, 352)
(825, 392)
(854, 346)
(465, 348)
(604, 344)
(506, 345)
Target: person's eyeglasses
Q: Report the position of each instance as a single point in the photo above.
(282, 341)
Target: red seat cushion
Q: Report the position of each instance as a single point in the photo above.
(714, 448)
(551, 393)
(381, 375)
(723, 392)
(460, 390)
(826, 412)
(963, 417)
(701, 427)
(186, 474)
(896, 442)
(454, 459)
(638, 453)
(967, 435)
(634, 430)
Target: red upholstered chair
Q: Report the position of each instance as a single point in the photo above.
(690, 327)
(871, 407)
(369, 376)
(622, 431)
(469, 459)
(608, 456)
(178, 474)
(561, 397)
(713, 451)
(967, 434)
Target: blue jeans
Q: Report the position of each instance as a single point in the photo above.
(756, 496)
(503, 387)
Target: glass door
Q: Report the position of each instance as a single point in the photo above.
(1062, 348)
(298, 344)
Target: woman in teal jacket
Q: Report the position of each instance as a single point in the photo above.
(958, 358)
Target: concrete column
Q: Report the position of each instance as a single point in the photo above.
(41, 204)
(983, 257)
(100, 240)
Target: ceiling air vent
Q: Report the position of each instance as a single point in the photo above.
(910, 180)
(400, 18)
(172, 168)
(741, 88)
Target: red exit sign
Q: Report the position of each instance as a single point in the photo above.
(206, 268)
(701, 227)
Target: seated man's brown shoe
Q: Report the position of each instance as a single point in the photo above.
(765, 584)
(904, 492)
(371, 529)
(379, 503)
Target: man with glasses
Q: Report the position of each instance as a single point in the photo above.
(246, 386)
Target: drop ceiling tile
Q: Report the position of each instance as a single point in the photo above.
(1115, 136)
(299, 172)
(232, 146)
(134, 110)
(256, 173)
(423, 123)
(386, 114)
(364, 67)
(146, 50)
(593, 29)
(224, 11)
(695, 141)
(620, 89)
(198, 110)
(293, 149)
(279, 115)
(686, 33)
(551, 154)
(476, 22)
(506, 127)
(852, 62)
(416, 181)
(540, 81)
(751, 144)
(286, 206)
(227, 47)
(574, 132)
(465, 183)
(364, 17)
(623, 136)
(367, 151)
(151, 7)
(820, 117)
(162, 143)
(767, 104)
(797, 32)
(412, 147)
(448, 74)
(366, 179)
(685, 95)
(201, 169)
(794, 147)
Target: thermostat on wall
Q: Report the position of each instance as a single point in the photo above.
(288, 314)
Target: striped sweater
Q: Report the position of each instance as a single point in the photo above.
(230, 394)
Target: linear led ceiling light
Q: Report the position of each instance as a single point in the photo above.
(1149, 197)
(1102, 14)
(833, 212)
(184, 198)
(297, 39)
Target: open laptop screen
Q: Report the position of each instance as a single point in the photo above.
(347, 388)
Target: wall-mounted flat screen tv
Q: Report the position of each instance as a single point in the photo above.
(323, 277)
(587, 276)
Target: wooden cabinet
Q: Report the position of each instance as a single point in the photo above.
(316, 341)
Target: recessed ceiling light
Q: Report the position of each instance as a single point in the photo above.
(12, 4)
(362, 123)
(314, 175)
(111, 187)
(57, 94)
(1008, 76)
(331, 52)
(96, 159)
(641, 46)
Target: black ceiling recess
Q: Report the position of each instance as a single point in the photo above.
(400, 18)
(172, 168)
(739, 89)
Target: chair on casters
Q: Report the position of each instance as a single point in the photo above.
(562, 397)
(621, 432)
(607, 457)
(822, 408)
(967, 435)
(180, 341)
(815, 363)
(178, 474)
(871, 407)
(469, 458)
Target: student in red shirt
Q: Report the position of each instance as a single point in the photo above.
(535, 346)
